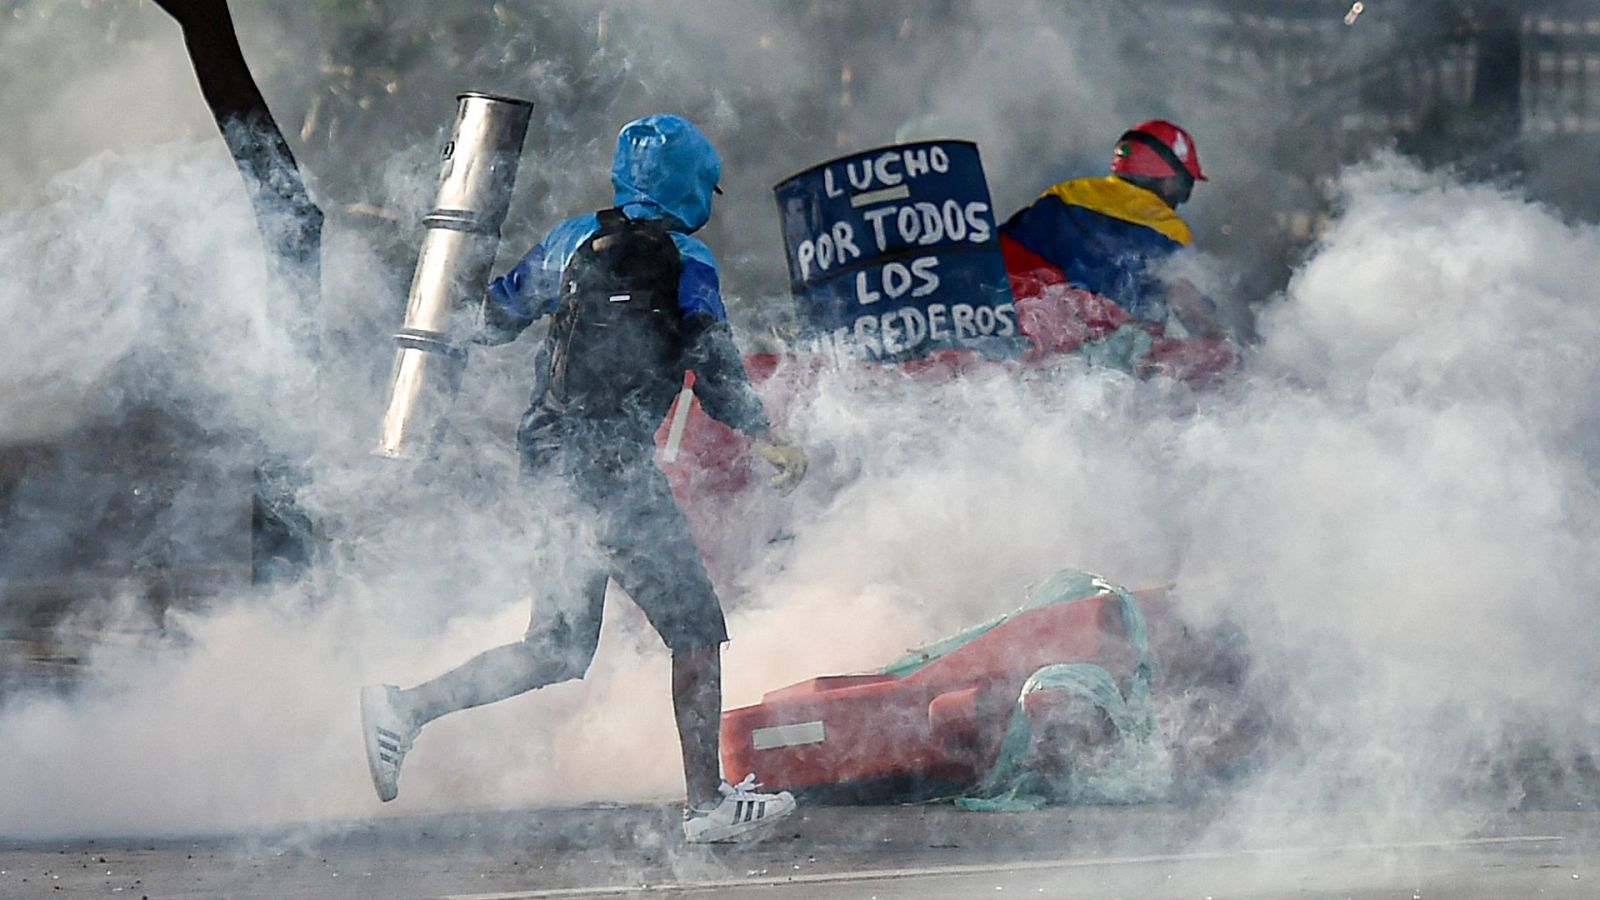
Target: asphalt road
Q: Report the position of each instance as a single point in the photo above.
(882, 852)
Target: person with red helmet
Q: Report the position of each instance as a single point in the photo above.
(1159, 157)
(1086, 260)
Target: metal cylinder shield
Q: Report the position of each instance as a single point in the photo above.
(463, 233)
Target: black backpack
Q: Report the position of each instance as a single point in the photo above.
(615, 347)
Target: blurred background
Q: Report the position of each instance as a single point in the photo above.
(126, 494)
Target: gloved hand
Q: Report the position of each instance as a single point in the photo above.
(786, 456)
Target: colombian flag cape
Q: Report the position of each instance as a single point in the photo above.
(1083, 261)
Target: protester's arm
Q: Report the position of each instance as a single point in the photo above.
(1190, 311)
(1196, 312)
(512, 302)
(721, 382)
(725, 393)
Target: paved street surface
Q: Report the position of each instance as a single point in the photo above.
(884, 853)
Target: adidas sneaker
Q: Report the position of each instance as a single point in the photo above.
(387, 731)
(741, 815)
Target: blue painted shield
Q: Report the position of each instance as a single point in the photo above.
(894, 253)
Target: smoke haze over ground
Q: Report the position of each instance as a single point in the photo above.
(1395, 501)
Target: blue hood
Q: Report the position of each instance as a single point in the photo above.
(665, 168)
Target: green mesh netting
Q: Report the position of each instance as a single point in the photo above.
(1134, 769)
(1063, 587)
(1119, 349)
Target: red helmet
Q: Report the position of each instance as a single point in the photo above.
(1151, 148)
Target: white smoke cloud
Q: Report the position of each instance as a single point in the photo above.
(101, 297)
(1393, 500)
(1404, 496)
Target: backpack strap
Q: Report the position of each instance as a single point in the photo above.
(613, 219)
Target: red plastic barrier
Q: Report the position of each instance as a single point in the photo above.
(943, 722)
(942, 725)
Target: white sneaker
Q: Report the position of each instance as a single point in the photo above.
(741, 815)
(387, 732)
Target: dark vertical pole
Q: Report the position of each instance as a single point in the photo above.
(1480, 136)
(290, 223)
(1496, 106)
(291, 228)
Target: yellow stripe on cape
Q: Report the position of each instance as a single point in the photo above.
(1111, 196)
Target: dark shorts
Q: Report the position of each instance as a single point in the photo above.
(641, 539)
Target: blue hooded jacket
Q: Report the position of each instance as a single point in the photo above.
(663, 169)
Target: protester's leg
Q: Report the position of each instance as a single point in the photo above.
(654, 559)
(715, 811)
(697, 705)
(558, 646)
(559, 643)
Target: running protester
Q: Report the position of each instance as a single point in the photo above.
(634, 305)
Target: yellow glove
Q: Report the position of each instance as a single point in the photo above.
(786, 457)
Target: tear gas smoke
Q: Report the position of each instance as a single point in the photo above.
(1393, 501)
